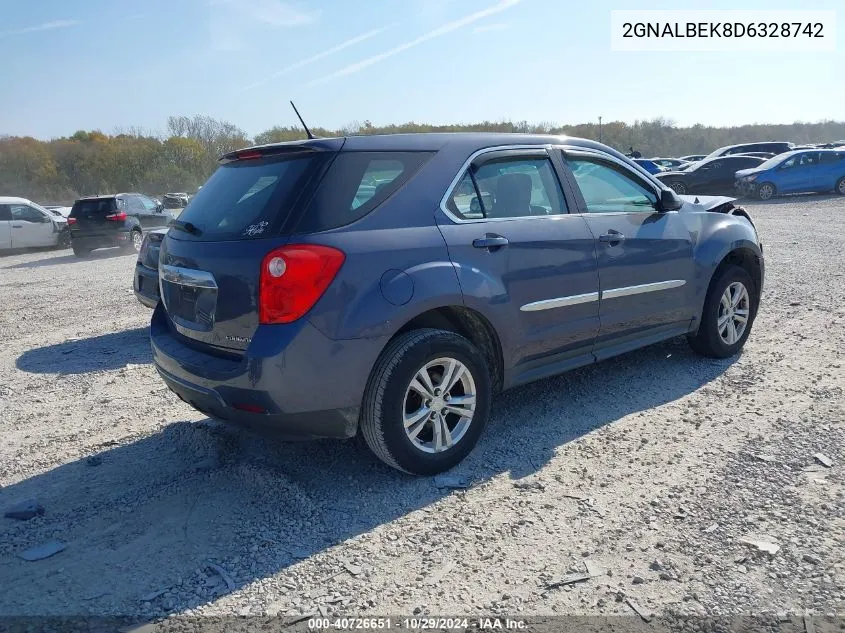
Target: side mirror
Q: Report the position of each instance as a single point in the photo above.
(669, 200)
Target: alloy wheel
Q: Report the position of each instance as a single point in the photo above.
(137, 240)
(734, 312)
(439, 405)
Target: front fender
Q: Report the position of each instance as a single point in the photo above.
(719, 235)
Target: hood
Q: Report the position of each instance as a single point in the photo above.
(694, 203)
(747, 172)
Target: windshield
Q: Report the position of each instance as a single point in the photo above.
(774, 161)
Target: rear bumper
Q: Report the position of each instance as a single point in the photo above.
(145, 285)
(302, 385)
(103, 240)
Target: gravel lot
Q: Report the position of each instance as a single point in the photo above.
(650, 468)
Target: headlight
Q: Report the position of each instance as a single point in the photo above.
(750, 178)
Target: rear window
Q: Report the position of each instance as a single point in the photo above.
(247, 199)
(357, 183)
(96, 206)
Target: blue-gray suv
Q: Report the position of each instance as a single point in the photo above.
(394, 284)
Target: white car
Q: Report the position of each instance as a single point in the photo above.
(24, 224)
(63, 211)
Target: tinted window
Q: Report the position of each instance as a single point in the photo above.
(607, 189)
(26, 213)
(792, 162)
(246, 198)
(93, 206)
(509, 187)
(827, 158)
(356, 183)
(5, 213)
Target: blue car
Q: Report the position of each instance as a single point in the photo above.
(649, 165)
(391, 285)
(800, 171)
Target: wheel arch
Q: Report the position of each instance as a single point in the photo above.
(470, 324)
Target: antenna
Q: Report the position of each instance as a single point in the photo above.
(307, 131)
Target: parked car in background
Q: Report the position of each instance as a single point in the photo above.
(175, 200)
(58, 210)
(114, 220)
(145, 280)
(800, 171)
(774, 147)
(650, 166)
(693, 157)
(709, 176)
(418, 301)
(25, 224)
(671, 164)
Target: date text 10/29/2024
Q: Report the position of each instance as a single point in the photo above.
(417, 624)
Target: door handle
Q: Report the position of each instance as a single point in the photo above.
(17, 226)
(612, 237)
(490, 241)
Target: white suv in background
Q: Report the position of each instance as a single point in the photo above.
(24, 224)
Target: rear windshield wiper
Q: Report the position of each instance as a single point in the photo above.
(187, 227)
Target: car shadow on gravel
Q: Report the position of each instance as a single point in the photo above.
(108, 253)
(196, 510)
(97, 353)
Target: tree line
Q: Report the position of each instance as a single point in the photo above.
(91, 162)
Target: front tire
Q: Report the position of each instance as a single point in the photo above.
(766, 191)
(679, 187)
(729, 312)
(427, 401)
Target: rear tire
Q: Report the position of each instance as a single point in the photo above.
(136, 238)
(80, 252)
(421, 434)
(766, 191)
(840, 186)
(719, 333)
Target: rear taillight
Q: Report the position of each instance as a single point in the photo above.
(145, 246)
(120, 216)
(71, 220)
(293, 278)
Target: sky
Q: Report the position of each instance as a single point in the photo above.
(116, 64)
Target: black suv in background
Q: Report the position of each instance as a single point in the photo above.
(116, 220)
(772, 147)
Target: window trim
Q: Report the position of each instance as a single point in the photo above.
(504, 151)
(590, 154)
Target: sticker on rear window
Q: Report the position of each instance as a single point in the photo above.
(256, 229)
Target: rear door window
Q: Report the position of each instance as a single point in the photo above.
(508, 187)
(246, 199)
(356, 183)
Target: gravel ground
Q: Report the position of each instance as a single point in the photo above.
(649, 469)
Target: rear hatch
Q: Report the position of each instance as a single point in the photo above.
(211, 259)
(96, 216)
